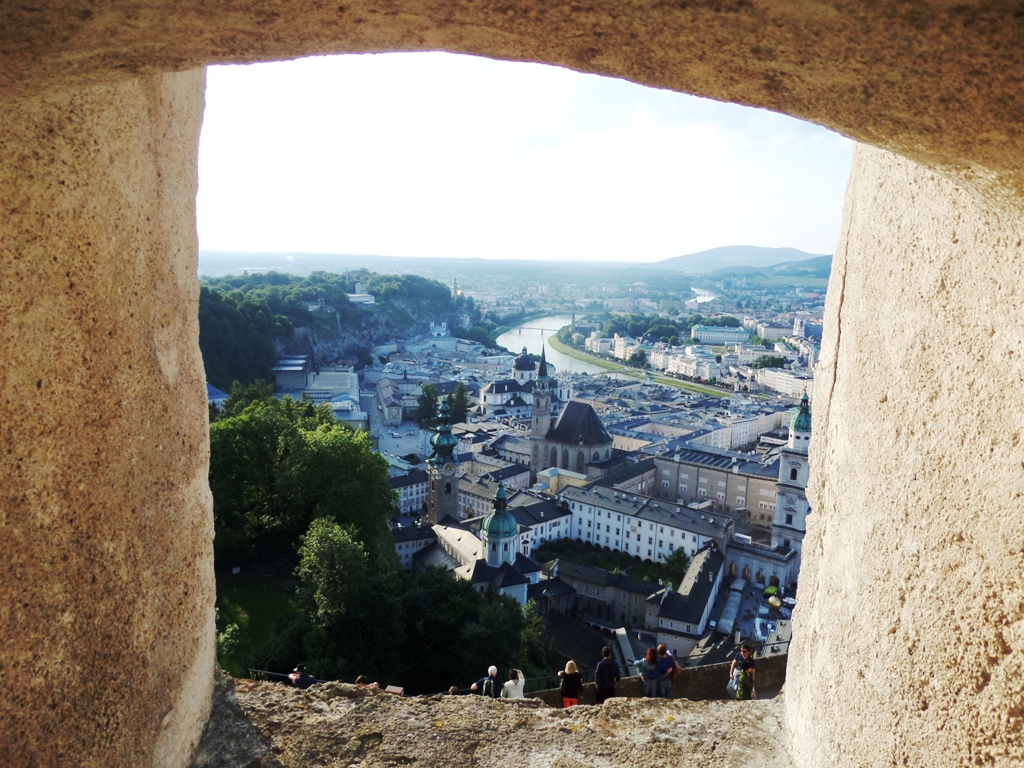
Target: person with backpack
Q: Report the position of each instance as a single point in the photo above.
(742, 670)
(489, 685)
(606, 676)
(572, 684)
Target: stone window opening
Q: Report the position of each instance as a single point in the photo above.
(858, 126)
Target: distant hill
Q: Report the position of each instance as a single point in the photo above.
(815, 266)
(715, 259)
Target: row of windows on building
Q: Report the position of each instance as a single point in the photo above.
(650, 539)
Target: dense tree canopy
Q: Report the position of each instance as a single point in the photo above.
(426, 413)
(275, 465)
(769, 361)
(236, 337)
(349, 608)
(241, 316)
(638, 359)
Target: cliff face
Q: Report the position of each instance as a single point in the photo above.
(268, 725)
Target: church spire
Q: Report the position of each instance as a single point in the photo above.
(443, 441)
(542, 371)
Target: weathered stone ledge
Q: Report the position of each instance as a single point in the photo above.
(268, 725)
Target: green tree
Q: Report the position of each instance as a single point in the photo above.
(458, 401)
(676, 565)
(723, 321)
(768, 361)
(243, 395)
(638, 359)
(428, 407)
(333, 472)
(334, 572)
(245, 459)
(278, 464)
(349, 606)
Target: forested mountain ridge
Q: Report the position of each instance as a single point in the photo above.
(246, 321)
(818, 266)
(714, 259)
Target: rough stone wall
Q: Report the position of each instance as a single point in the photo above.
(931, 79)
(268, 725)
(106, 582)
(909, 635)
(909, 641)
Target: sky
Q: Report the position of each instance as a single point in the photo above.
(436, 154)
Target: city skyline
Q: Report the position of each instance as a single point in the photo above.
(455, 156)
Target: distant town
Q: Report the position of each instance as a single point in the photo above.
(588, 457)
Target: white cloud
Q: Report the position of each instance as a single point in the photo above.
(435, 154)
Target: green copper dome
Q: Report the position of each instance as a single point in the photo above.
(443, 441)
(500, 524)
(802, 421)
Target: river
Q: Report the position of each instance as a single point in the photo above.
(530, 335)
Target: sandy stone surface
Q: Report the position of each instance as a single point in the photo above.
(268, 725)
(910, 641)
(106, 571)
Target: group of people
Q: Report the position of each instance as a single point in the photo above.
(742, 674)
(606, 675)
(489, 685)
(657, 671)
(301, 679)
(658, 668)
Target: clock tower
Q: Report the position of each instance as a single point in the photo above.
(442, 469)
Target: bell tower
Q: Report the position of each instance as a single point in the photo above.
(540, 422)
(500, 531)
(791, 507)
(442, 470)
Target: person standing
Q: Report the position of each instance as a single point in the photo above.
(606, 676)
(572, 684)
(666, 665)
(513, 687)
(648, 668)
(743, 665)
(489, 685)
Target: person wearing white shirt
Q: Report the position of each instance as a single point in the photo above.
(513, 688)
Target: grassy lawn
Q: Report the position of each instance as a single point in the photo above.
(253, 603)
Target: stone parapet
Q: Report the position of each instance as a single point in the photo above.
(703, 683)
